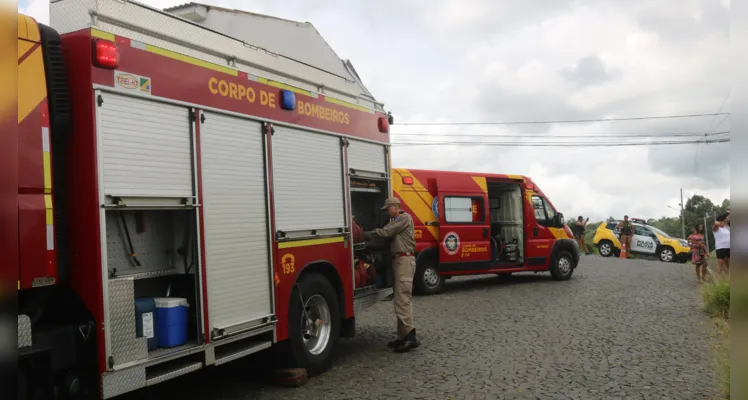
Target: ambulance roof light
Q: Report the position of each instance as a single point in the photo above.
(106, 54)
(383, 124)
(408, 180)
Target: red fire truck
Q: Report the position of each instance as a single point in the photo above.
(185, 199)
(478, 223)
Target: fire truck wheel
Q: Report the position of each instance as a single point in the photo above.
(563, 266)
(314, 326)
(427, 279)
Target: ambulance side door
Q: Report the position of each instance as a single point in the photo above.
(540, 239)
(464, 228)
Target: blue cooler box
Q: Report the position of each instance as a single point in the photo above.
(171, 321)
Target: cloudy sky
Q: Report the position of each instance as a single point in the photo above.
(536, 60)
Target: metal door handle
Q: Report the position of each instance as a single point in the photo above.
(485, 232)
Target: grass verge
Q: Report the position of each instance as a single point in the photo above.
(716, 298)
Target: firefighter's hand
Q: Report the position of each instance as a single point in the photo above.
(367, 235)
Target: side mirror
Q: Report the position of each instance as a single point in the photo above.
(560, 220)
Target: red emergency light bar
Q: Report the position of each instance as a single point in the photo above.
(408, 180)
(105, 54)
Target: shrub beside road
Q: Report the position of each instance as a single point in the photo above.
(716, 299)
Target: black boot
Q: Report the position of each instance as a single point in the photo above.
(395, 343)
(410, 342)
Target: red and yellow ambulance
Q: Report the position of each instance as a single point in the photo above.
(478, 223)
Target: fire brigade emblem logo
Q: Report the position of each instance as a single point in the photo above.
(288, 262)
(435, 207)
(451, 243)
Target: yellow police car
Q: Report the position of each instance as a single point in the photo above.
(647, 240)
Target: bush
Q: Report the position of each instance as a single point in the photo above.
(717, 299)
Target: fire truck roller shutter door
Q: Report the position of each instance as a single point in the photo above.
(366, 157)
(236, 221)
(146, 147)
(307, 181)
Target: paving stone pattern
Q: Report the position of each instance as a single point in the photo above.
(619, 329)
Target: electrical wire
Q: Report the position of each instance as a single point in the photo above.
(566, 121)
(561, 144)
(534, 135)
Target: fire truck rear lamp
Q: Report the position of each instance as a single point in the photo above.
(383, 124)
(106, 54)
(287, 100)
(408, 180)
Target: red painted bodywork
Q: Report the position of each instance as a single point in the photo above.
(429, 184)
(186, 83)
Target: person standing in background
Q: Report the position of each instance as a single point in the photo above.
(627, 231)
(721, 230)
(579, 233)
(699, 252)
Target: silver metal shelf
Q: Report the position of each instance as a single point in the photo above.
(147, 275)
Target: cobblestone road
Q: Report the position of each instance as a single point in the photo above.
(618, 329)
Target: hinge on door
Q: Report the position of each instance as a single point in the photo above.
(193, 118)
(99, 100)
(386, 150)
(344, 142)
(202, 118)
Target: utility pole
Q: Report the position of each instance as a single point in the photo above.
(682, 217)
(706, 233)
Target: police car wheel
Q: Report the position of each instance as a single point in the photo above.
(314, 325)
(605, 248)
(667, 254)
(563, 266)
(427, 279)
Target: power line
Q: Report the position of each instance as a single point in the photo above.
(560, 144)
(564, 121)
(546, 135)
(698, 147)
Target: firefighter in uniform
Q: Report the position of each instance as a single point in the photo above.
(400, 231)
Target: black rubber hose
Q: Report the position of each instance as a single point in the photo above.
(129, 240)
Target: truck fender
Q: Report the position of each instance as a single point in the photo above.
(567, 244)
(425, 255)
(326, 269)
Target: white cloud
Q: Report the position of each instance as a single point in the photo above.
(442, 60)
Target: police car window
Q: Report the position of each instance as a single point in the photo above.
(611, 225)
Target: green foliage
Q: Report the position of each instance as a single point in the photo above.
(717, 299)
(694, 211)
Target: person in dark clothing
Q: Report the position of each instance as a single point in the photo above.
(579, 233)
(627, 232)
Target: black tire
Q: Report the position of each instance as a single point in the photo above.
(504, 274)
(606, 248)
(562, 266)
(427, 279)
(22, 385)
(666, 254)
(313, 285)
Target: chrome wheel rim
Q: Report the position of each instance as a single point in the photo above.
(564, 265)
(430, 277)
(316, 324)
(666, 255)
(605, 249)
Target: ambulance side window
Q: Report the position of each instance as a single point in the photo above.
(544, 213)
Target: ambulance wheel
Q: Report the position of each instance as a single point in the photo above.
(427, 279)
(314, 326)
(563, 266)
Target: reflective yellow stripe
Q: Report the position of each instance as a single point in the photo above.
(49, 210)
(347, 104)
(102, 35)
(310, 242)
(416, 197)
(519, 177)
(47, 173)
(481, 181)
(191, 60)
(287, 87)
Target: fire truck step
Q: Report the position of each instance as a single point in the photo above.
(235, 351)
(165, 372)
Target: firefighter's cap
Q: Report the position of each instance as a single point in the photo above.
(392, 201)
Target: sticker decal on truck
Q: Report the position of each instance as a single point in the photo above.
(451, 243)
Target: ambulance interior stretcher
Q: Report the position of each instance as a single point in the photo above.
(507, 232)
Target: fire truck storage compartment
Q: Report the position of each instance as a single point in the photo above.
(307, 183)
(150, 254)
(235, 213)
(146, 147)
(367, 159)
(367, 197)
(506, 211)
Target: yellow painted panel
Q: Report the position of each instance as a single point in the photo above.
(102, 35)
(27, 28)
(32, 88)
(288, 87)
(417, 198)
(481, 181)
(23, 47)
(309, 242)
